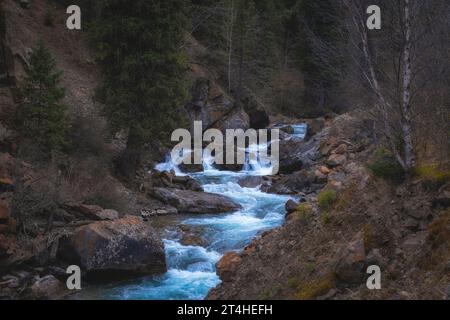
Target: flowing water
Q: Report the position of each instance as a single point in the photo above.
(191, 269)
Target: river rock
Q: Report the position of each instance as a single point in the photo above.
(251, 181)
(227, 266)
(291, 206)
(187, 201)
(127, 245)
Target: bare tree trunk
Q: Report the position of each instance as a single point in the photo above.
(230, 42)
(406, 100)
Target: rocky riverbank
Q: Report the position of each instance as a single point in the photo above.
(348, 220)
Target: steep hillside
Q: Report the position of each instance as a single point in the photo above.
(356, 220)
(26, 26)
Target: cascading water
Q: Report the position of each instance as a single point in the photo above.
(191, 269)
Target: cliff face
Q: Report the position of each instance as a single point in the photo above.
(326, 245)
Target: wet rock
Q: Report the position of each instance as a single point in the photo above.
(315, 126)
(227, 266)
(251, 181)
(291, 206)
(47, 287)
(128, 246)
(287, 129)
(187, 201)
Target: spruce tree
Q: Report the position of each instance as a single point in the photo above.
(42, 117)
(140, 51)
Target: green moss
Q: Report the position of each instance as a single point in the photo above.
(293, 282)
(326, 217)
(304, 211)
(326, 199)
(317, 288)
(432, 173)
(269, 293)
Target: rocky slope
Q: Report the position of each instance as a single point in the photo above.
(323, 251)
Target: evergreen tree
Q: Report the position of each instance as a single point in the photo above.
(140, 51)
(42, 117)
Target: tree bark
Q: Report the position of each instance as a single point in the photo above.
(406, 100)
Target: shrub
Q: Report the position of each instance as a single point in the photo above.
(432, 173)
(326, 217)
(42, 117)
(49, 18)
(326, 199)
(317, 288)
(385, 166)
(304, 211)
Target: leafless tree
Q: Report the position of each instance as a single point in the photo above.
(393, 62)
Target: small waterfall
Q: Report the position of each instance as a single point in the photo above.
(191, 268)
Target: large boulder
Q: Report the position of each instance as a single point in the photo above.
(237, 119)
(128, 245)
(209, 103)
(298, 154)
(187, 201)
(300, 181)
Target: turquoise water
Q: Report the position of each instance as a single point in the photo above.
(191, 269)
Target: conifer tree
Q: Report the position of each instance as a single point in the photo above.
(140, 51)
(42, 117)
